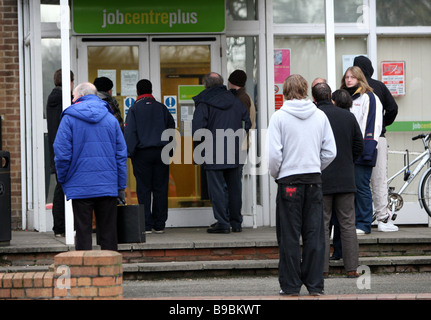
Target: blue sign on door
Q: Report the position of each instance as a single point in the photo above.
(171, 103)
(128, 102)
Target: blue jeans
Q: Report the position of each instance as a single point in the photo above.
(363, 198)
(224, 189)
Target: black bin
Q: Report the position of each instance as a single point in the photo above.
(5, 199)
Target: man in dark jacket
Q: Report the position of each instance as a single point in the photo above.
(221, 115)
(338, 179)
(145, 122)
(379, 175)
(54, 108)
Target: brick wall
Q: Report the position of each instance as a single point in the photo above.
(90, 275)
(9, 100)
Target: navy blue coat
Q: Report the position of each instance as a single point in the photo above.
(146, 120)
(223, 116)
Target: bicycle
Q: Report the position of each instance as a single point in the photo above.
(395, 200)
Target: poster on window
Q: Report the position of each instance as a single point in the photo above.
(394, 77)
(278, 90)
(281, 72)
(281, 64)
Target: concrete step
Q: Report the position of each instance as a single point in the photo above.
(192, 250)
(152, 270)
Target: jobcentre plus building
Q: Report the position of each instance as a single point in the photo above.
(174, 43)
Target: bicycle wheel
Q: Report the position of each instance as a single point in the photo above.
(425, 195)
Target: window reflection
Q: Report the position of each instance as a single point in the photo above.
(241, 9)
(399, 13)
(313, 11)
(49, 13)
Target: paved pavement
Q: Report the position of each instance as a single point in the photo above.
(32, 241)
(392, 286)
(378, 286)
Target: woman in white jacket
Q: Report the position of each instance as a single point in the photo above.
(367, 109)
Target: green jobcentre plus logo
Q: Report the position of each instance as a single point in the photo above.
(137, 16)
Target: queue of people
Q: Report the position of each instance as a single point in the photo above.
(337, 188)
(308, 144)
(92, 144)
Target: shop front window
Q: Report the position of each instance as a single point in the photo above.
(399, 13)
(241, 9)
(49, 12)
(313, 11)
(182, 67)
(242, 54)
(312, 66)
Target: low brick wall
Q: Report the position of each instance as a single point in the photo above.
(96, 274)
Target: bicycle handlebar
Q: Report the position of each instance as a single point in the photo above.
(421, 136)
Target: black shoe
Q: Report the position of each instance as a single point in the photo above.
(237, 229)
(216, 229)
(334, 258)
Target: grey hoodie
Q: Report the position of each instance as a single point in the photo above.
(299, 140)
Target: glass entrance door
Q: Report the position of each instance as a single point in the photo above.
(179, 67)
(124, 63)
(176, 67)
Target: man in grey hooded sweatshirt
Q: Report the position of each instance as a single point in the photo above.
(300, 145)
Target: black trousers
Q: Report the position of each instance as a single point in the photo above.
(105, 209)
(152, 183)
(58, 210)
(299, 213)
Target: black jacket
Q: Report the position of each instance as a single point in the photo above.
(220, 112)
(390, 107)
(145, 122)
(339, 176)
(54, 108)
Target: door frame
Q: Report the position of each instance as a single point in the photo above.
(149, 68)
(185, 217)
(156, 41)
(83, 42)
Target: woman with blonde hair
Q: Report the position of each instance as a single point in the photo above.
(367, 109)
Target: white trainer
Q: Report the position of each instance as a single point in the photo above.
(386, 227)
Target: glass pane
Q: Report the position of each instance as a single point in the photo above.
(346, 47)
(314, 66)
(241, 9)
(51, 61)
(313, 11)
(241, 54)
(49, 13)
(110, 61)
(184, 65)
(301, 62)
(399, 13)
(415, 52)
(349, 11)
(294, 11)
